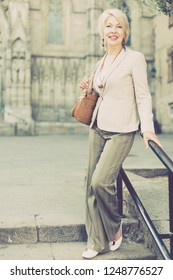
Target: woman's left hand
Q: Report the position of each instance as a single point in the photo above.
(150, 136)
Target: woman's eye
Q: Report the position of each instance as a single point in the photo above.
(119, 26)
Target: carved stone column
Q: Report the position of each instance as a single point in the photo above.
(93, 38)
(18, 63)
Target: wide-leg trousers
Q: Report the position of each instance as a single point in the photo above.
(107, 151)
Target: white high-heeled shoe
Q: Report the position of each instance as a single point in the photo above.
(89, 254)
(115, 244)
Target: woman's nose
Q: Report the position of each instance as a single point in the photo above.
(114, 28)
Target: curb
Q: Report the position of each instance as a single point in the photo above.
(148, 172)
(62, 233)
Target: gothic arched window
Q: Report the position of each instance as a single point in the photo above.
(55, 22)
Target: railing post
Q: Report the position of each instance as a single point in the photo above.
(170, 187)
(120, 195)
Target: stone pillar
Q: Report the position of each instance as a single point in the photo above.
(1, 76)
(94, 50)
(18, 58)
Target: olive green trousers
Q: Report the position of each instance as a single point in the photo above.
(107, 151)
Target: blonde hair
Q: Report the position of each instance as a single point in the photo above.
(119, 16)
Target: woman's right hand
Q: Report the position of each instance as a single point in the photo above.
(84, 84)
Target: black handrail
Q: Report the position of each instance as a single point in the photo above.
(156, 236)
(145, 215)
(169, 165)
(161, 155)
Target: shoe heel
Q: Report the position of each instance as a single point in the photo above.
(114, 245)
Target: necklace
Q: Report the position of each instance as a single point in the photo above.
(102, 76)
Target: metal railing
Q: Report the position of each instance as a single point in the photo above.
(152, 229)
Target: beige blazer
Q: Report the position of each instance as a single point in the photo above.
(125, 101)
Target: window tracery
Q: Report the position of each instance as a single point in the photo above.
(55, 21)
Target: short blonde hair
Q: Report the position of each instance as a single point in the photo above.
(119, 16)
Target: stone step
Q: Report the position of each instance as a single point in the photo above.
(61, 233)
(6, 129)
(71, 251)
(54, 128)
(153, 193)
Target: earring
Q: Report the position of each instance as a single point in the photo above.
(123, 44)
(103, 43)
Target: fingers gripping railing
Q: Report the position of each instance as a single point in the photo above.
(161, 155)
(157, 237)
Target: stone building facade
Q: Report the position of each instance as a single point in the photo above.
(163, 26)
(47, 46)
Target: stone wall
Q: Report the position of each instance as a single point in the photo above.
(42, 62)
(164, 84)
(16, 63)
(54, 87)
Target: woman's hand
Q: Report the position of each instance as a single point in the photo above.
(150, 136)
(84, 84)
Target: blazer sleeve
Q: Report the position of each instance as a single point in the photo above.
(142, 93)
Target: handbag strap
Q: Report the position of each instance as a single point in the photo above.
(91, 79)
(90, 85)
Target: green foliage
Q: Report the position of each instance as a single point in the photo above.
(163, 6)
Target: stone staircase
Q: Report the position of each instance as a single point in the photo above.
(62, 242)
(6, 129)
(67, 243)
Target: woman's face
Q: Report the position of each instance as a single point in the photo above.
(113, 32)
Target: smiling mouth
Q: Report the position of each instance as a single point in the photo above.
(113, 37)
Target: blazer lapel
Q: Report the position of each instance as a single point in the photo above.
(120, 57)
(117, 61)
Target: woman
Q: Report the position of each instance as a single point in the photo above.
(124, 103)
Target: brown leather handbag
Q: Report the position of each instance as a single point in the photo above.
(84, 107)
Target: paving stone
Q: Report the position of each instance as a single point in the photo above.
(71, 251)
